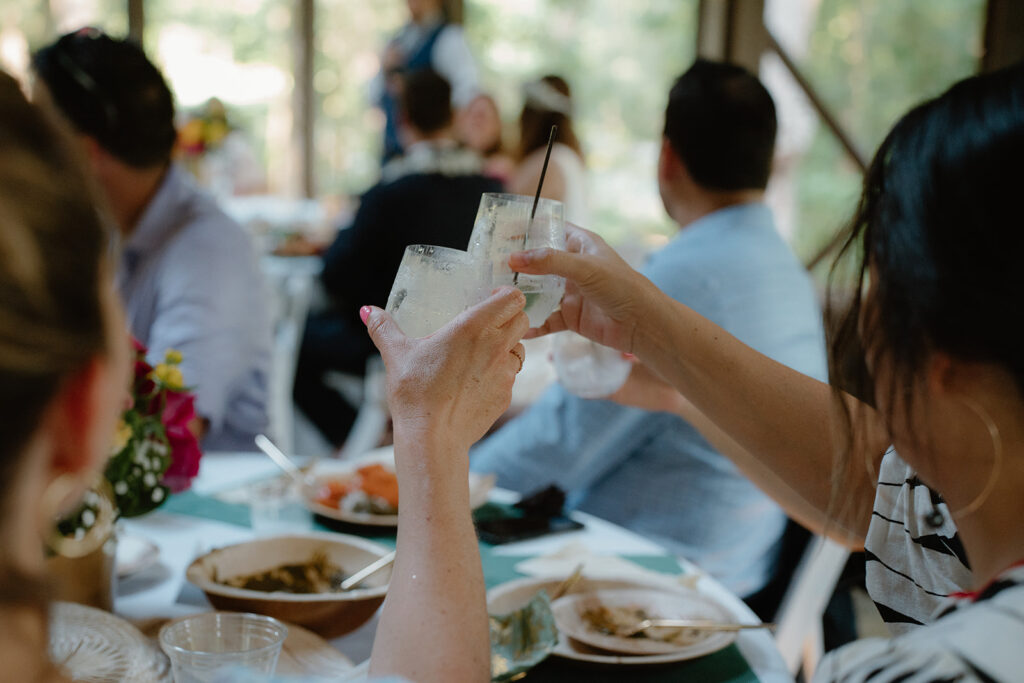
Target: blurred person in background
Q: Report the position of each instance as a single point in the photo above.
(427, 196)
(188, 275)
(652, 472)
(548, 102)
(478, 126)
(427, 41)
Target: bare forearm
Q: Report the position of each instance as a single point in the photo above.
(434, 623)
(795, 505)
(778, 425)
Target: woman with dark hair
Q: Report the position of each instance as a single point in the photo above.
(549, 103)
(64, 368)
(919, 457)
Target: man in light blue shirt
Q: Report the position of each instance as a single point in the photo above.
(188, 275)
(652, 472)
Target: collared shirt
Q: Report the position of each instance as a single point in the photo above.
(652, 472)
(190, 281)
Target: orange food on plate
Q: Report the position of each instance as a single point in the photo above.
(333, 490)
(377, 480)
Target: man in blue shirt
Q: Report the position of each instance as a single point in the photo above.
(652, 472)
(188, 275)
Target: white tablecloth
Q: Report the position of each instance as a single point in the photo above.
(161, 590)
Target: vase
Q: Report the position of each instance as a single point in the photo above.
(88, 580)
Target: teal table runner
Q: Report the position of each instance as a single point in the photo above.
(724, 666)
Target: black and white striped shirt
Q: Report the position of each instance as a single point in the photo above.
(974, 639)
(912, 567)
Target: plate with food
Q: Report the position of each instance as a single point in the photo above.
(365, 490)
(514, 594)
(632, 621)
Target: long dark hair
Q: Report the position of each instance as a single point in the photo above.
(535, 122)
(939, 234)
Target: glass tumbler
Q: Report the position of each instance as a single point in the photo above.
(503, 226)
(432, 286)
(205, 648)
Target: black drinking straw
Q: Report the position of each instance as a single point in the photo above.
(536, 197)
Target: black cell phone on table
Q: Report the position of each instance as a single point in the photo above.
(512, 529)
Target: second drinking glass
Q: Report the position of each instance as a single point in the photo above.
(503, 226)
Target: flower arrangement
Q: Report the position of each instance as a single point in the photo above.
(155, 453)
(204, 131)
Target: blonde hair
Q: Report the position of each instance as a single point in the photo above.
(52, 242)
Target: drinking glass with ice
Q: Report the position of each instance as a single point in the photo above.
(503, 226)
(433, 285)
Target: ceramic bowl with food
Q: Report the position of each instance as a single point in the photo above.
(295, 578)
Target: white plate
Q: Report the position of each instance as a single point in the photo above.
(95, 646)
(306, 655)
(134, 554)
(479, 487)
(657, 604)
(514, 594)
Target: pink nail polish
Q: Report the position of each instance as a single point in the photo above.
(364, 313)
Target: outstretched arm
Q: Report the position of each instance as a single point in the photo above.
(645, 389)
(787, 422)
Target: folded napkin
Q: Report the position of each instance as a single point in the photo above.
(564, 561)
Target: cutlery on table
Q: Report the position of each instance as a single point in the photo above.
(367, 571)
(694, 624)
(283, 461)
(569, 583)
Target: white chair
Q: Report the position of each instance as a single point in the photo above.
(799, 634)
(290, 299)
(372, 419)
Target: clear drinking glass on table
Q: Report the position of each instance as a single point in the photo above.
(433, 285)
(219, 646)
(503, 226)
(277, 506)
(588, 369)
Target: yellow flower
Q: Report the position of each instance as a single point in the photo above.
(172, 357)
(169, 376)
(122, 435)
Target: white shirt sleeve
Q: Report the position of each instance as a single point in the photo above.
(453, 60)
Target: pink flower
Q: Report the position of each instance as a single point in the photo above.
(179, 412)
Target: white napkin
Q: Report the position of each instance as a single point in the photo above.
(564, 561)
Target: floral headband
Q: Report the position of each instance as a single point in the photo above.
(541, 95)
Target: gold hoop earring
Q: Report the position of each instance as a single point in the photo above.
(935, 518)
(53, 504)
